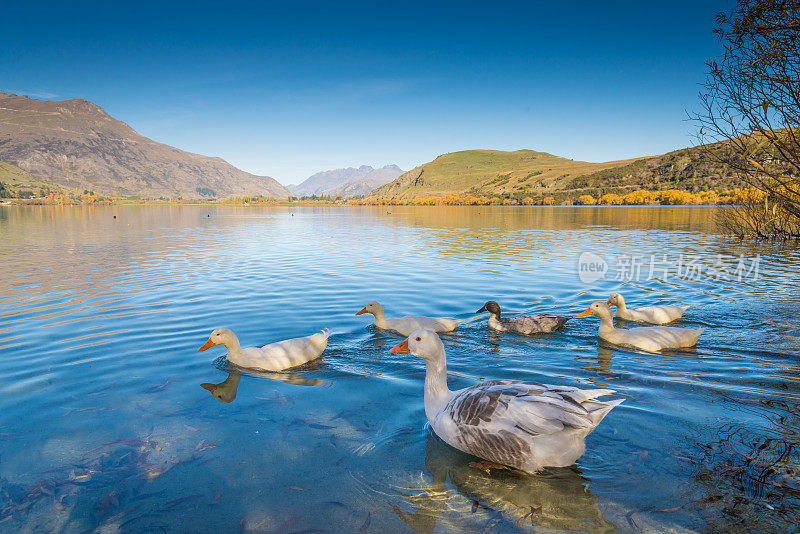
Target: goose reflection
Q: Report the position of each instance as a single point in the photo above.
(555, 499)
(225, 391)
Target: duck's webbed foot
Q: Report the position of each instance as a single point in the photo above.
(487, 466)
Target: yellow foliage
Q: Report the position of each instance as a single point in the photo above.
(640, 196)
(676, 197)
(610, 199)
(585, 200)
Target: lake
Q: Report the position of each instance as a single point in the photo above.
(105, 426)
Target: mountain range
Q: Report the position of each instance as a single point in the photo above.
(346, 182)
(63, 145)
(75, 144)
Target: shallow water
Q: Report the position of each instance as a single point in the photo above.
(104, 424)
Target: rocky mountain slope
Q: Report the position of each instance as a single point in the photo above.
(74, 143)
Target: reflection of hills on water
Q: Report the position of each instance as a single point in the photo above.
(555, 499)
(505, 218)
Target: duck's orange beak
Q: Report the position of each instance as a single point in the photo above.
(402, 347)
(587, 311)
(209, 387)
(207, 346)
(608, 302)
(363, 310)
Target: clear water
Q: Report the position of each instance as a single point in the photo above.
(104, 425)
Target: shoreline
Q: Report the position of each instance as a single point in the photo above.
(349, 205)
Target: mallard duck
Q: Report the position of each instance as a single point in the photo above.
(522, 324)
(648, 314)
(652, 338)
(518, 424)
(406, 325)
(273, 357)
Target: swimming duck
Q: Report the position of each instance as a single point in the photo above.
(648, 314)
(406, 325)
(522, 425)
(273, 357)
(652, 338)
(522, 324)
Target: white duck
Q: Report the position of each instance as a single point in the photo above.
(652, 338)
(273, 357)
(518, 424)
(406, 325)
(648, 314)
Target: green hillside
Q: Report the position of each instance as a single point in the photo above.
(526, 173)
(14, 180)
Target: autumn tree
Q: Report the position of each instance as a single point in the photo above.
(751, 103)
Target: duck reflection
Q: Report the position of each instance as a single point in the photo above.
(494, 342)
(225, 391)
(555, 499)
(603, 364)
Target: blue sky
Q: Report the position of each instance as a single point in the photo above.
(290, 88)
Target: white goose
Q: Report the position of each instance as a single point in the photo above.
(406, 325)
(273, 357)
(648, 314)
(652, 338)
(512, 423)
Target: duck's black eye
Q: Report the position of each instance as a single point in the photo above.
(216, 334)
(419, 339)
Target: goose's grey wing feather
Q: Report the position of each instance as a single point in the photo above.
(499, 420)
(532, 324)
(497, 403)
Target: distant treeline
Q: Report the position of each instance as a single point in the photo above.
(639, 197)
(634, 198)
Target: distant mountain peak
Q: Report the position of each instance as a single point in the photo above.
(347, 181)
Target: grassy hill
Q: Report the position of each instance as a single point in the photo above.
(13, 180)
(526, 173)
